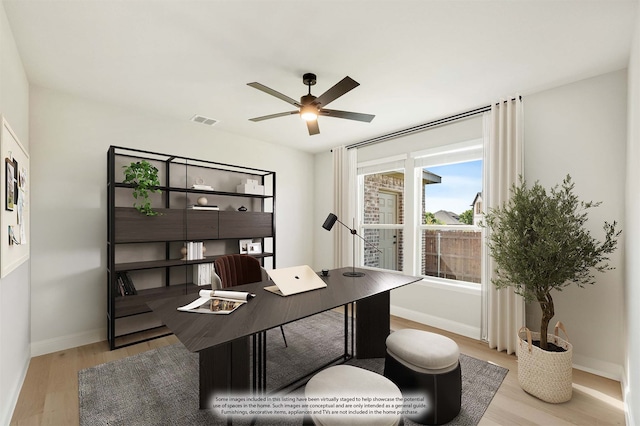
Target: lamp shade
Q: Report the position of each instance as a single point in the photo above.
(330, 221)
(309, 113)
(328, 224)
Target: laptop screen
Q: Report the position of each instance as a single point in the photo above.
(295, 279)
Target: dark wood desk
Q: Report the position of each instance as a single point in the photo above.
(223, 340)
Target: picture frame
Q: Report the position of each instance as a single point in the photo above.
(11, 192)
(14, 189)
(22, 177)
(244, 246)
(255, 248)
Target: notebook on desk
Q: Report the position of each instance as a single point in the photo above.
(294, 280)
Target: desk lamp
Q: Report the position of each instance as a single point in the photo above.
(328, 224)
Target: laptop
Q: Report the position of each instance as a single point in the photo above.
(294, 280)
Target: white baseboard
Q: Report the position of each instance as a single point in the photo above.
(599, 368)
(68, 342)
(437, 322)
(14, 392)
(628, 409)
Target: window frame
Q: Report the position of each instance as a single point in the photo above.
(391, 164)
(412, 226)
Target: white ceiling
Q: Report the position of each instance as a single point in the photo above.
(415, 60)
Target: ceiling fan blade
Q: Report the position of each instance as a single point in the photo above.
(346, 114)
(272, 92)
(313, 127)
(280, 114)
(342, 87)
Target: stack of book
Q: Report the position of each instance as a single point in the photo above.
(125, 285)
(205, 207)
(202, 273)
(202, 187)
(194, 250)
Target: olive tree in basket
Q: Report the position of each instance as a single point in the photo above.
(539, 243)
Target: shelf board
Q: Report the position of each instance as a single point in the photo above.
(189, 225)
(143, 335)
(151, 264)
(197, 191)
(136, 304)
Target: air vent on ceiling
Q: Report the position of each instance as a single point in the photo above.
(204, 120)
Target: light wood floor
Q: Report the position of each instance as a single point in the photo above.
(49, 395)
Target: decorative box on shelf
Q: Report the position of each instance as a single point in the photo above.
(250, 186)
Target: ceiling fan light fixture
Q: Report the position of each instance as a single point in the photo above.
(309, 113)
(310, 106)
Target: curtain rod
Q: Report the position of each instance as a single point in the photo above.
(428, 125)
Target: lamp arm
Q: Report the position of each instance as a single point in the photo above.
(354, 232)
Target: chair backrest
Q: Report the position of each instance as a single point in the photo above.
(237, 269)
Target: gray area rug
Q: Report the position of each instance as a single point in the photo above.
(160, 386)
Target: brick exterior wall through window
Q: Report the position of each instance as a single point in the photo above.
(373, 185)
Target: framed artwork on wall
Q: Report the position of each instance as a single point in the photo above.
(14, 189)
(10, 179)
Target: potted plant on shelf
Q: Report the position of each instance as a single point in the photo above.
(144, 176)
(539, 243)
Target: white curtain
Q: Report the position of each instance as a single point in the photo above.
(344, 190)
(503, 159)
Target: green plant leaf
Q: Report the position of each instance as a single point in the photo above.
(144, 176)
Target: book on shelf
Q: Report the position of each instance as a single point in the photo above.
(120, 286)
(202, 187)
(199, 207)
(194, 250)
(125, 284)
(217, 302)
(202, 273)
(129, 283)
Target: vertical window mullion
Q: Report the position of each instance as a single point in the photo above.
(410, 219)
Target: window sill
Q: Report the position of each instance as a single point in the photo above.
(440, 283)
(452, 285)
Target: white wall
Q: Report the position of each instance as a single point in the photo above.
(14, 288)
(631, 378)
(459, 131)
(455, 308)
(580, 129)
(69, 142)
(323, 239)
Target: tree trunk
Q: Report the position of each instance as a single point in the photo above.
(546, 303)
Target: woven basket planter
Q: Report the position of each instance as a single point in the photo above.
(545, 375)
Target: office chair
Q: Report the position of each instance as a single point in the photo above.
(238, 269)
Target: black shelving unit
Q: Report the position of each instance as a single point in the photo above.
(149, 246)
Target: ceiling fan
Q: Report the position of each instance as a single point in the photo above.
(310, 107)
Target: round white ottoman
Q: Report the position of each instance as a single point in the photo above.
(426, 364)
(347, 381)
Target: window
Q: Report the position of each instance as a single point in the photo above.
(451, 245)
(429, 225)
